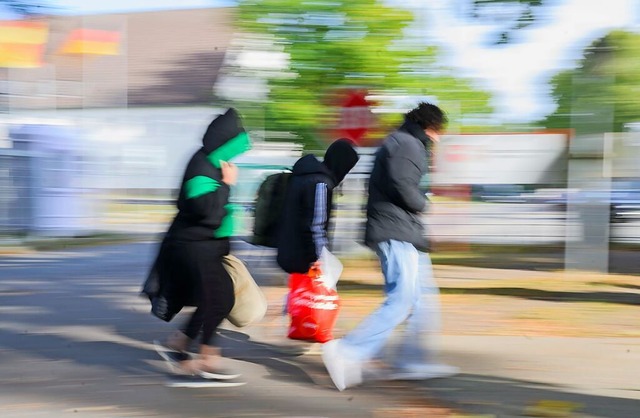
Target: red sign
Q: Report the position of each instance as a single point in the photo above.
(355, 116)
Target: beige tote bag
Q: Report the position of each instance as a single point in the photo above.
(251, 304)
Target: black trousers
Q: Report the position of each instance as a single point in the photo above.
(199, 263)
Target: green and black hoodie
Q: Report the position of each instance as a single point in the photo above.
(204, 211)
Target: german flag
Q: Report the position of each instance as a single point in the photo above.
(22, 43)
(91, 42)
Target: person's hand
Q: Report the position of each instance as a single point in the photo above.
(229, 173)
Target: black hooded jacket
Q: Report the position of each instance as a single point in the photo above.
(308, 202)
(396, 202)
(204, 211)
(203, 222)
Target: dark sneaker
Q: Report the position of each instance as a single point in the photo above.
(172, 357)
(200, 382)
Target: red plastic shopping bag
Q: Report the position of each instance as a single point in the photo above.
(313, 308)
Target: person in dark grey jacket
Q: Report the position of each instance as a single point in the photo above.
(395, 231)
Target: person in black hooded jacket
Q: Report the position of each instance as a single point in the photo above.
(189, 264)
(307, 206)
(395, 231)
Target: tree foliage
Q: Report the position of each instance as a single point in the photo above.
(601, 94)
(340, 44)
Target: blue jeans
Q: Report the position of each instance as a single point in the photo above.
(411, 295)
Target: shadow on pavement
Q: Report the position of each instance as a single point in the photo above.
(346, 287)
(74, 333)
(620, 261)
(282, 364)
(514, 398)
(620, 285)
(623, 298)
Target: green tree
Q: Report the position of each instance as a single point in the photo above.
(601, 94)
(345, 44)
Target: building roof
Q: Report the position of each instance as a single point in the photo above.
(125, 59)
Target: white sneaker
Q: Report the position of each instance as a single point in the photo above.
(352, 372)
(334, 362)
(424, 371)
(343, 369)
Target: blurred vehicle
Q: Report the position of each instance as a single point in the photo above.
(500, 193)
(623, 198)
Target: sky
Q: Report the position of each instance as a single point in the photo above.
(114, 6)
(517, 74)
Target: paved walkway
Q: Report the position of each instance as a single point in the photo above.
(510, 369)
(75, 341)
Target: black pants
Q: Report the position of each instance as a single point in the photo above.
(200, 263)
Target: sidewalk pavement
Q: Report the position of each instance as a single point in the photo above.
(75, 340)
(528, 343)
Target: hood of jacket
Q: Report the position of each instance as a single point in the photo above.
(309, 164)
(225, 138)
(340, 158)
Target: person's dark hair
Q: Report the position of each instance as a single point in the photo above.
(427, 115)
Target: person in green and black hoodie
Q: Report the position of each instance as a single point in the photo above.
(189, 267)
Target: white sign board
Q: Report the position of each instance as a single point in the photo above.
(625, 154)
(501, 159)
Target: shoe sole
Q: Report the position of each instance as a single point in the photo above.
(218, 376)
(203, 384)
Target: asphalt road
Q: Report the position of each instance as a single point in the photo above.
(75, 340)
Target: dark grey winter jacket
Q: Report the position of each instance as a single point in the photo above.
(396, 203)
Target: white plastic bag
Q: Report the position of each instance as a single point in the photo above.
(331, 268)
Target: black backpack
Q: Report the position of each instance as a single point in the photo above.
(268, 209)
